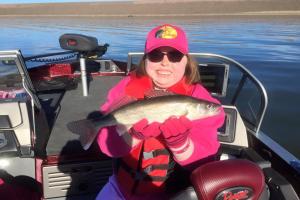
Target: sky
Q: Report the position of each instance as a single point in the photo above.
(48, 1)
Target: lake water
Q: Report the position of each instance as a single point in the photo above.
(268, 46)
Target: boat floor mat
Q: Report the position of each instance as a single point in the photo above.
(73, 107)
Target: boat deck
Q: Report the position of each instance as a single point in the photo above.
(70, 105)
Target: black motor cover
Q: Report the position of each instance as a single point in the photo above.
(78, 42)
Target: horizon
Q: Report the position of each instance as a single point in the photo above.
(53, 1)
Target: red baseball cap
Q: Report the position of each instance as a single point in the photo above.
(169, 36)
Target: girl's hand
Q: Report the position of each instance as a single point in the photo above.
(175, 131)
(142, 130)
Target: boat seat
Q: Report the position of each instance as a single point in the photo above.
(229, 179)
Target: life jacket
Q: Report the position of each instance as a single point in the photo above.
(146, 168)
(149, 163)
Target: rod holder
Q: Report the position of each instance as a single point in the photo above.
(83, 76)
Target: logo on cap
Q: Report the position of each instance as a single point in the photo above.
(166, 32)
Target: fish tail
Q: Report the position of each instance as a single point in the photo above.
(88, 129)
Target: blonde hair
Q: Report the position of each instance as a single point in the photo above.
(191, 71)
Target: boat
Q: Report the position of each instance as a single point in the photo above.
(40, 94)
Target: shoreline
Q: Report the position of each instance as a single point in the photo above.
(148, 9)
(242, 14)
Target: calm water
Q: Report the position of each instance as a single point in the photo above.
(270, 47)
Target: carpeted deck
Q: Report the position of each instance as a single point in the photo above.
(74, 106)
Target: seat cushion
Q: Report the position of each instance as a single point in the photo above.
(228, 179)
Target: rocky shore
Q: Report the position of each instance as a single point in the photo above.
(156, 8)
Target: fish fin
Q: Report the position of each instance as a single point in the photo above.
(121, 102)
(85, 129)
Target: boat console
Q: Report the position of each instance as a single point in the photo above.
(15, 110)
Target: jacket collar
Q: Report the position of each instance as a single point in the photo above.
(138, 86)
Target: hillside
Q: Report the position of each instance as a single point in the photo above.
(156, 8)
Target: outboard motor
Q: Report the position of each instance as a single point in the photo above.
(85, 45)
(234, 179)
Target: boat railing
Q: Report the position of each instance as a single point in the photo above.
(17, 63)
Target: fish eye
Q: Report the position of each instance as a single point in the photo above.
(209, 106)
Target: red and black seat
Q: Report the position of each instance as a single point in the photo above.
(234, 179)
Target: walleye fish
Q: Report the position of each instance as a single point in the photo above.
(156, 109)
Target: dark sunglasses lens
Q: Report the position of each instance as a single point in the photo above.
(155, 56)
(175, 56)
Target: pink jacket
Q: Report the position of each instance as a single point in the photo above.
(203, 133)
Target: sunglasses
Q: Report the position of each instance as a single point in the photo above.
(158, 56)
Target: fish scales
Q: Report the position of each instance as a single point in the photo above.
(153, 112)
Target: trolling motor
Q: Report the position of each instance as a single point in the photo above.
(87, 47)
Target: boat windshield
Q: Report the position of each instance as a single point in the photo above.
(246, 93)
(243, 89)
(11, 86)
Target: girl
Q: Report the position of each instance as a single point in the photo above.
(147, 152)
